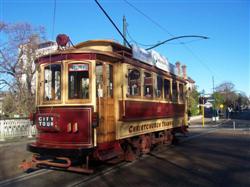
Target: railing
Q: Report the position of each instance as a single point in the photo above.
(11, 128)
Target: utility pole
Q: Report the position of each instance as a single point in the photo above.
(213, 83)
(214, 113)
(112, 22)
(203, 113)
(124, 30)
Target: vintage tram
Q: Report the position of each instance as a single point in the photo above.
(102, 100)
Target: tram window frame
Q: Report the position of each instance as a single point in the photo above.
(89, 83)
(167, 94)
(53, 80)
(131, 83)
(175, 92)
(148, 88)
(181, 92)
(158, 87)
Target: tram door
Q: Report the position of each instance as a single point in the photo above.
(105, 102)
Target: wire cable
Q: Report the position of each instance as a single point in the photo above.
(53, 20)
(150, 19)
(165, 30)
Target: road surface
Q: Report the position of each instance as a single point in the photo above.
(216, 155)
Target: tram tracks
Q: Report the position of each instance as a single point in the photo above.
(24, 177)
(103, 169)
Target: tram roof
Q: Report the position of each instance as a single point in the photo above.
(101, 42)
(107, 47)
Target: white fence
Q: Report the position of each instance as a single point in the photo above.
(11, 128)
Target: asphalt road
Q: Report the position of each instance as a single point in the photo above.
(244, 115)
(210, 156)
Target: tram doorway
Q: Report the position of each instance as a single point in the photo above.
(105, 102)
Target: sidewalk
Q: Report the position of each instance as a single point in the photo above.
(207, 123)
(16, 141)
(13, 152)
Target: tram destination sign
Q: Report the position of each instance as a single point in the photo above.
(78, 67)
(46, 121)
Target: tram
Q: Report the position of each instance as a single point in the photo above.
(104, 101)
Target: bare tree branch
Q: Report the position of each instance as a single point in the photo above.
(17, 55)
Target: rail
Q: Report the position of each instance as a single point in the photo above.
(11, 128)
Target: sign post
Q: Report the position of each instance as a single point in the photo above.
(202, 105)
(203, 117)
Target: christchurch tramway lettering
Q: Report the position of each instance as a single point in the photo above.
(148, 126)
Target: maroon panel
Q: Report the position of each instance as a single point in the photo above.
(70, 56)
(52, 125)
(138, 110)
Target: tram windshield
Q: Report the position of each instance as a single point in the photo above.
(78, 83)
(52, 82)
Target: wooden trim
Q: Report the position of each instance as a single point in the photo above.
(65, 56)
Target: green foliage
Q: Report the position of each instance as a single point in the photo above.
(225, 94)
(193, 101)
(9, 105)
(21, 104)
(219, 99)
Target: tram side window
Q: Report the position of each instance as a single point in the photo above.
(175, 91)
(158, 90)
(78, 83)
(52, 82)
(148, 85)
(181, 90)
(167, 89)
(134, 82)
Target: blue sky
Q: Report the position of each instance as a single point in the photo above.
(227, 22)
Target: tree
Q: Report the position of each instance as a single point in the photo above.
(227, 91)
(9, 105)
(17, 53)
(225, 94)
(218, 99)
(242, 101)
(193, 101)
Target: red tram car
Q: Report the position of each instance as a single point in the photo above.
(102, 100)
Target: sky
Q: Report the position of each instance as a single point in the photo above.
(224, 56)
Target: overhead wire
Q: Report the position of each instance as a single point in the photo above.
(53, 20)
(52, 37)
(151, 45)
(138, 43)
(150, 19)
(172, 35)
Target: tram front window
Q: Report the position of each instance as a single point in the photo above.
(78, 81)
(52, 82)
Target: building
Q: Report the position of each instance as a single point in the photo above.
(29, 57)
(190, 83)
